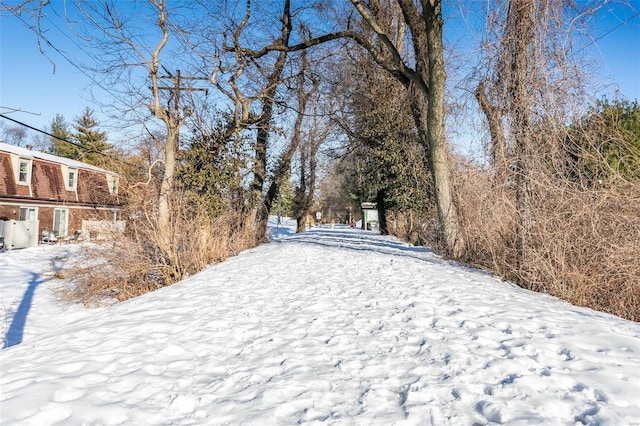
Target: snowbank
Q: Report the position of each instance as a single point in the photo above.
(332, 326)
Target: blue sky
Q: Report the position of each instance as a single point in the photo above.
(28, 81)
(617, 47)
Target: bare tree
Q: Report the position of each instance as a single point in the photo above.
(524, 96)
(425, 81)
(171, 118)
(14, 135)
(283, 168)
(228, 79)
(318, 131)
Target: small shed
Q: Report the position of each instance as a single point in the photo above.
(369, 216)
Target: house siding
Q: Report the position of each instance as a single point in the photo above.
(47, 182)
(9, 183)
(7, 179)
(47, 191)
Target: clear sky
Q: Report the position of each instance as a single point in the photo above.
(29, 84)
(617, 47)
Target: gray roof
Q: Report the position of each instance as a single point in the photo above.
(27, 153)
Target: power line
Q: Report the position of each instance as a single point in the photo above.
(39, 33)
(606, 33)
(84, 148)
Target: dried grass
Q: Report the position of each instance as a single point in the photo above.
(135, 263)
(583, 244)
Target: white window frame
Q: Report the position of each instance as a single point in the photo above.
(72, 184)
(112, 184)
(27, 172)
(25, 211)
(63, 230)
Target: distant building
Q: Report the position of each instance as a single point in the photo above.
(63, 195)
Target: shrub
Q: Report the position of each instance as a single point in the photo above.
(582, 245)
(133, 264)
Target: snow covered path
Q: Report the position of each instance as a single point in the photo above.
(334, 327)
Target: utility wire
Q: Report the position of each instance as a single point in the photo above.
(71, 62)
(605, 34)
(65, 140)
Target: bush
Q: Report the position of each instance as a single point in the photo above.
(582, 243)
(133, 264)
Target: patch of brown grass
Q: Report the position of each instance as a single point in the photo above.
(136, 263)
(582, 244)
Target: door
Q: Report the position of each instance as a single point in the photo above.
(60, 222)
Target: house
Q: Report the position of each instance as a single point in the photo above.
(60, 194)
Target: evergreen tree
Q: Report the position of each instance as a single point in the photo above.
(94, 142)
(385, 162)
(606, 143)
(59, 146)
(209, 170)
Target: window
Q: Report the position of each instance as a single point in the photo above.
(23, 172)
(72, 179)
(28, 213)
(60, 221)
(112, 183)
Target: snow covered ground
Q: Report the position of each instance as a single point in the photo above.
(332, 326)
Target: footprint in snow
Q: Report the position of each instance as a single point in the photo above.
(490, 411)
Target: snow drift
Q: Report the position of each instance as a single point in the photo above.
(332, 326)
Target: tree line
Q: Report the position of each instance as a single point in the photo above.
(324, 105)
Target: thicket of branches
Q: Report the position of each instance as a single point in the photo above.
(557, 208)
(208, 221)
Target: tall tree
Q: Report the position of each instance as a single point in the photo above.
(524, 96)
(316, 135)
(95, 147)
(307, 85)
(425, 82)
(60, 145)
(268, 64)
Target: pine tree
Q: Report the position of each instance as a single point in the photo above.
(59, 146)
(94, 143)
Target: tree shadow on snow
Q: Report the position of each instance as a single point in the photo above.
(276, 232)
(15, 332)
(16, 329)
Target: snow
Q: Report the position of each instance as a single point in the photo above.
(29, 154)
(331, 326)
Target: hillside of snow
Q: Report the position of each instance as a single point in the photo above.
(331, 326)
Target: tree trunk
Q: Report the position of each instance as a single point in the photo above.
(498, 144)
(382, 212)
(284, 164)
(304, 194)
(265, 123)
(521, 19)
(300, 199)
(301, 224)
(435, 125)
